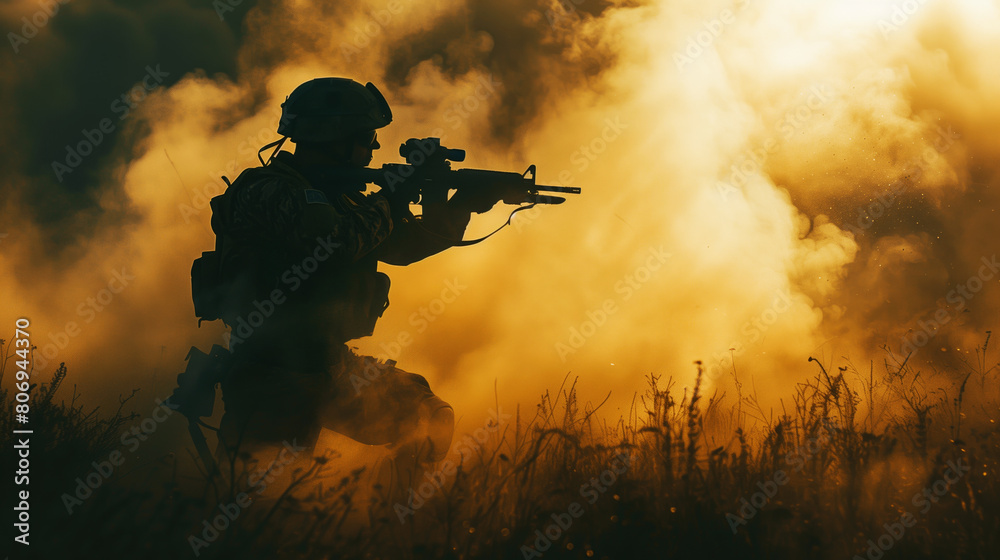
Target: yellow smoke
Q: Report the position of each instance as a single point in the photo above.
(732, 159)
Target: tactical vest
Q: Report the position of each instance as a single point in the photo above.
(226, 281)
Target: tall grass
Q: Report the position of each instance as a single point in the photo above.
(853, 446)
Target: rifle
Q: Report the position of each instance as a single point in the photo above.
(427, 176)
(194, 396)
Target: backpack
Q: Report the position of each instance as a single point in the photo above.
(209, 288)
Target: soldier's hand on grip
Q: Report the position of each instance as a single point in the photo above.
(399, 203)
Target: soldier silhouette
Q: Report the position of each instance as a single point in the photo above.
(295, 274)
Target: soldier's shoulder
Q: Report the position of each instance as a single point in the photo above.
(280, 170)
(264, 181)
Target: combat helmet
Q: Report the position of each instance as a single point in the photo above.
(326, 109)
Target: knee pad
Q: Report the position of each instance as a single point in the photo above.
(421, 380)
(440, 426)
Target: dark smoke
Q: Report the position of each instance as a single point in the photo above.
(538, 50)
(67, 78)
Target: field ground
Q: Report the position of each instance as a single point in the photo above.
(862, 465)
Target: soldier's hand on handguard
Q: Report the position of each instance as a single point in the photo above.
(479, 199)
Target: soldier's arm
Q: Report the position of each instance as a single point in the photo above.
(415, 238)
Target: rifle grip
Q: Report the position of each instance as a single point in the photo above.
(433, 194)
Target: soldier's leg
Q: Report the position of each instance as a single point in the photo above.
(381, 404)
(267, 408)
(378, 403)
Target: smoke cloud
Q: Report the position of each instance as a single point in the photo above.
(764, 181)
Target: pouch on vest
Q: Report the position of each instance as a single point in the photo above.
(380, 297)
(376, 292)
(360, 304)
(207, 288)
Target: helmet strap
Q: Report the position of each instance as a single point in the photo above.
(277, 143)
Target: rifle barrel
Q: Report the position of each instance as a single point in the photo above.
(550, 188)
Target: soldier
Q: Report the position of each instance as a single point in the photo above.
(297, 251)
